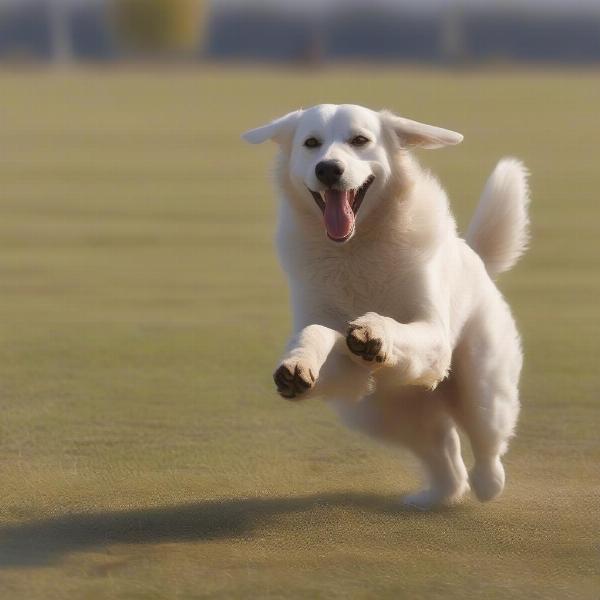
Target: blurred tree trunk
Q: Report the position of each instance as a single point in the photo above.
(60, 32)
(315, 50)
(453, 43)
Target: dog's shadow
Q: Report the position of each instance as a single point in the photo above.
(45, 541)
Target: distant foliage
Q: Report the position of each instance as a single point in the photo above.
(159, 25)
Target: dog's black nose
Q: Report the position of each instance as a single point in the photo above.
(329, 172)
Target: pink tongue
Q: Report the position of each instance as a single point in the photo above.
(339, 218)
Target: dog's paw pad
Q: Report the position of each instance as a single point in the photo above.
(293, 379)
(362, 341)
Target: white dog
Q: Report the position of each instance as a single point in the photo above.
(397, 322)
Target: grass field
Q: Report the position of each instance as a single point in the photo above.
(143, 451)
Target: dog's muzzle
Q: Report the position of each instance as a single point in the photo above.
(340, 207)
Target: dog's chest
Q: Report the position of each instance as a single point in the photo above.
(345, 285)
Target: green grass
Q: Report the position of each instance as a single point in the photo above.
(143, 451)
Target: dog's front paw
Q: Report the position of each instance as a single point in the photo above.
(294, 377)
(366, 338)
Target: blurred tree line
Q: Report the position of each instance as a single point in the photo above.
(65, 31)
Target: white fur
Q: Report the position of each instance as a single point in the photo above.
(499, 230)
(405, 292)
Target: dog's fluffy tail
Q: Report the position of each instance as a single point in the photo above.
(499, 230)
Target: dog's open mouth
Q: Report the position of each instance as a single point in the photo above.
(340, 207)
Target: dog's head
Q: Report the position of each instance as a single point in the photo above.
(341, 157)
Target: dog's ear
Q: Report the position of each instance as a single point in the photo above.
(415, 134)
(280, 130)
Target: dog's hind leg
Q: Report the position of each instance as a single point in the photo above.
(440, 454)
(486, 407)
(488, 418)
(426, 428)
(419, 421)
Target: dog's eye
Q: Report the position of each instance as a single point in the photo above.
(359, 140)
(312, 142)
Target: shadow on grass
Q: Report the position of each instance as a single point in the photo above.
(45, 541)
